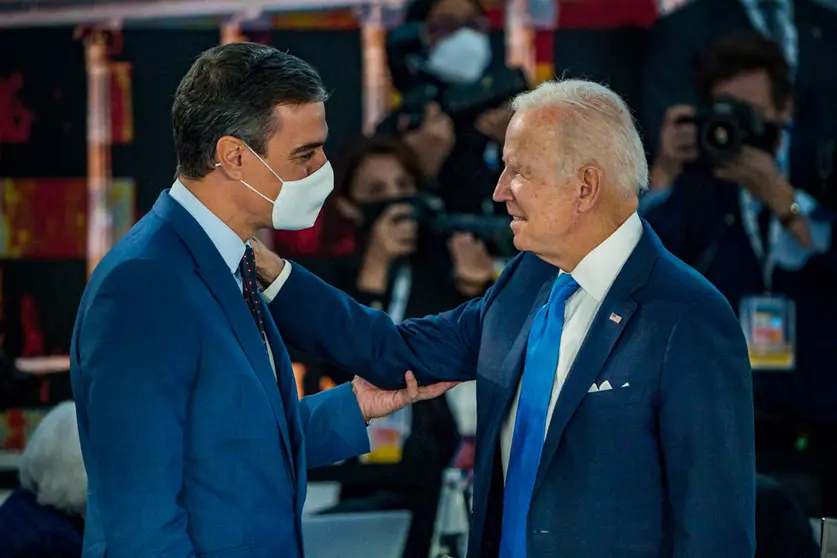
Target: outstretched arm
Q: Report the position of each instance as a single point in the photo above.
(321, 320)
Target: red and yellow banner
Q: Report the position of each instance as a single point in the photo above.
(328, 19)
(46, 218)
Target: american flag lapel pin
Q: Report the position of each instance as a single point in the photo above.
(615, 318)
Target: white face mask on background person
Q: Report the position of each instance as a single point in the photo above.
(299, 201)
(461, 57)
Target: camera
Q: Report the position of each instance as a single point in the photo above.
(429, 213)
(726, 125)
(460, 102)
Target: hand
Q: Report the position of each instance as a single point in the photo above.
(433, 140)
(494, 122)
(375, 402)
(268, 264)
(390, 238)
(678, 145)
(472, 264)
(757, 172)
(394, 233)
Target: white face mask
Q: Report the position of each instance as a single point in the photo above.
(299, 201)
(460, 58)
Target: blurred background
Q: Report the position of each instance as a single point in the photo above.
(417, 119)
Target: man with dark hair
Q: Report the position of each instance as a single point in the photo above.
(806, 32)
(766, 245)
(194, 439)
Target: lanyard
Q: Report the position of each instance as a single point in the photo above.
(766, 255)
(750, 209)
(400, 293)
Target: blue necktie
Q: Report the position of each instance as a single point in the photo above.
(530, 424)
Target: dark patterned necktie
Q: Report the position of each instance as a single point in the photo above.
(247, 269)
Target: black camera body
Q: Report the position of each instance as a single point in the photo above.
(726, 125)
(429, 213)
(460, 102)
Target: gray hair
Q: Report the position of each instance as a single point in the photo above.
(598, 126)
(51, 466)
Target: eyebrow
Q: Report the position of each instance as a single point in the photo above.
(307, 147)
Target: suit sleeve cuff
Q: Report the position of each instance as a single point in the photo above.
(270, 293)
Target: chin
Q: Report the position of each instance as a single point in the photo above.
(520, 243)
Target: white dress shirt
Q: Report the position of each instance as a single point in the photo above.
(594, 274)
(227, 242)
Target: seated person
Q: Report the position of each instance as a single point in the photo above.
(45, 517)
(750, 231)
(409, 272)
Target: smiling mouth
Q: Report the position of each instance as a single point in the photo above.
(516, 218)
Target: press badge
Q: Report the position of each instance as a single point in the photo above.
(769, 324)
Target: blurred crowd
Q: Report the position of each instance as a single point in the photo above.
(740, 124)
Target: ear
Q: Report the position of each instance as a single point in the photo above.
(228, 154)
(590, 182)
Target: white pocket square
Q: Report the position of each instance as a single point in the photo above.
(604, 386)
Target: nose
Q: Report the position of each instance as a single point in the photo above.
(502, 192)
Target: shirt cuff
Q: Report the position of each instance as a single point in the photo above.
(270, 293)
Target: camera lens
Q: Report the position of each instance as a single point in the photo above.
(720, 138)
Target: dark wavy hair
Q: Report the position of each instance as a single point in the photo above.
(346, 166)
(744, 52)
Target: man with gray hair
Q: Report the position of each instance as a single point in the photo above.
(614, 397)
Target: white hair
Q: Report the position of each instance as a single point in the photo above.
(597, 127)
(51, 466)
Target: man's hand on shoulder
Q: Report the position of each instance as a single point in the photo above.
(375, 402)
(268, 264)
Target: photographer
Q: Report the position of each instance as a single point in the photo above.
(377, 182)
(733, 215)
(806, 31)
(444, 45)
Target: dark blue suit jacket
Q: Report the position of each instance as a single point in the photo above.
(190, 446)
(29, 530)
(701, 223)
(664, 468)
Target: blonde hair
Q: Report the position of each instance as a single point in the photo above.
(597, 127)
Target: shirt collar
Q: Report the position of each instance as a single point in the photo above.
(597, 271)
(229, 245)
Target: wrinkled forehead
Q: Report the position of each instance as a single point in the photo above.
(533, 134)
(301, 126)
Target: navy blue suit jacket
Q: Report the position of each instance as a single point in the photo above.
(664, 468)
(190, 446)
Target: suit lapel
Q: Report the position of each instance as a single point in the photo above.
(513, 364)
(218, 279)
(291, 427)
(600, 340)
